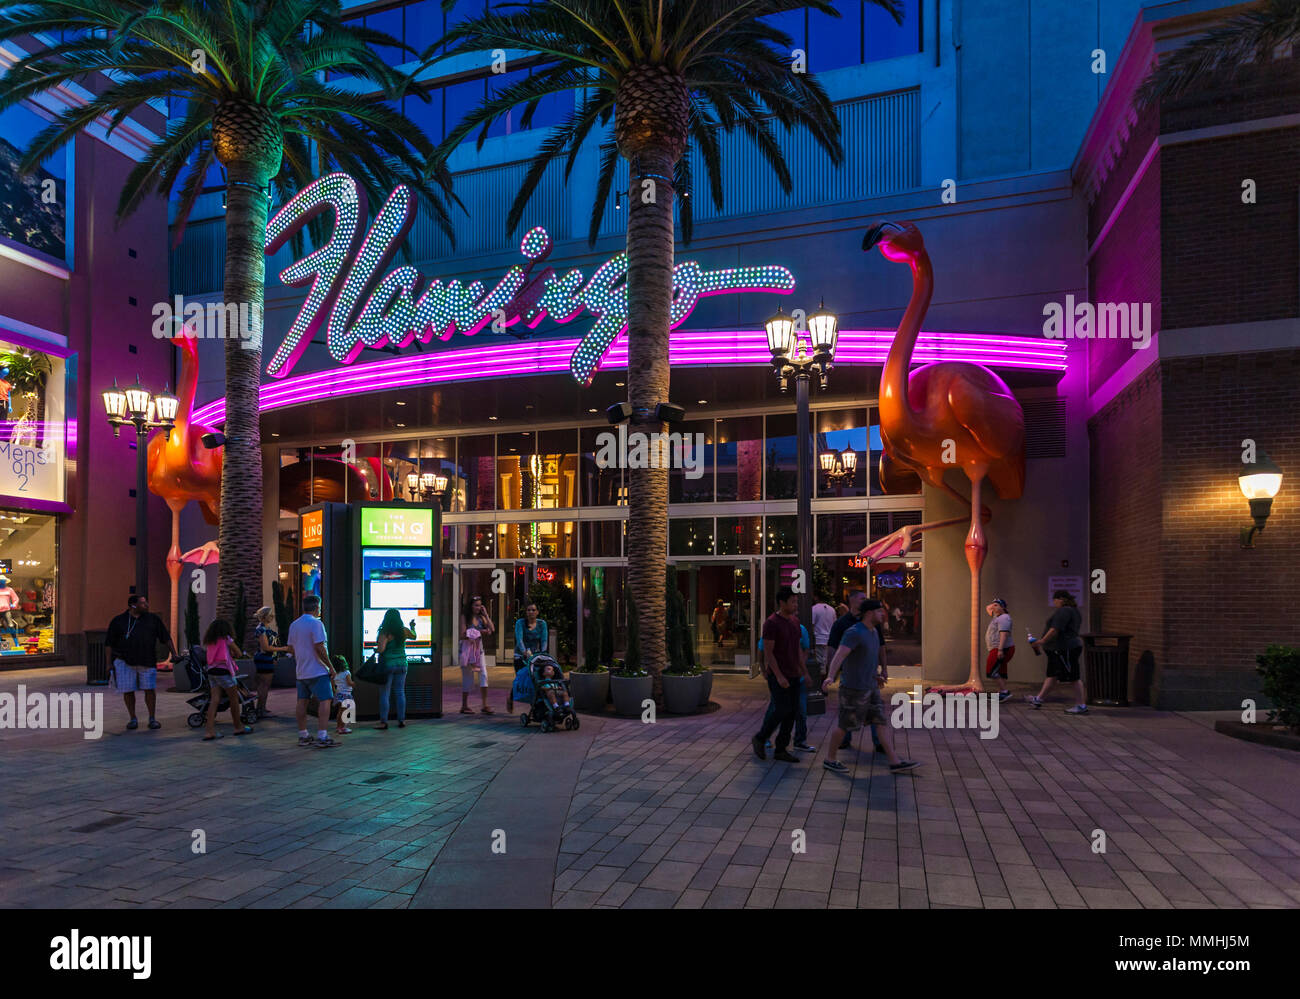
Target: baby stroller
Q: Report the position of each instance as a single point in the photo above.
(199, 702)
(548, 717)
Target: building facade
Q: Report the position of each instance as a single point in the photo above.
(76, 291)
(1002, 131)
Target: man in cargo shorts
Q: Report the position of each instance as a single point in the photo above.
(132, 645)
(860, 703)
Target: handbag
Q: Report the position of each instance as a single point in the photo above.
(373, 671)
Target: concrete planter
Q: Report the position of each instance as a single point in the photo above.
(683, 694)
(630, 692)
(708, 687)
(590, 690)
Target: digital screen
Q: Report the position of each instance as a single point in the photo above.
(397, 526)
(371, 619)
(396, 592)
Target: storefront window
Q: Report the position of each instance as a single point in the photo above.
(841, 533)
(904, 483)
(693, 484)
(782, 457)
(690, 536)
(897, 585)
(844, 435)
(474, 484)
(28, 583)
(32, 425)
(601, 538)
(476, 541)
(886, 523)
(601, 486)
(740, 535)
(740, 458)
(538, 539)
(782, 535)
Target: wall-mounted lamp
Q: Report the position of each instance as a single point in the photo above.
(1259, 483)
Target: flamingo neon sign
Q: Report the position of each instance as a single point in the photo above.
(358, 309)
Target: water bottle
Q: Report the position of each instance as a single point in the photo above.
(1030, 636)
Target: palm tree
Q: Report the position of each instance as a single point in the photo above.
(247, 77)
(1252, 35)
(669, 73)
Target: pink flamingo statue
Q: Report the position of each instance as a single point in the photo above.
(940, 416)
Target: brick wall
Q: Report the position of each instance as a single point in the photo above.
(1223, 604)
(1125, 482)
(1225, 261)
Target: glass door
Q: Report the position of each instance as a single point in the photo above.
(719, 598)
(602, 611)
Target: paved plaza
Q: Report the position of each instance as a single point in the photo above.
(476, 811)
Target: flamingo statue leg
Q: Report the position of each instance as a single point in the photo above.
(174, 565)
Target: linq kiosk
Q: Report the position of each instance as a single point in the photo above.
(397, 564)
(324, 568)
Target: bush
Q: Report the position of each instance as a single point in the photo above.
(632, 665)
(557, 606)
(592, 640)
(1279, 667)
(283, 618)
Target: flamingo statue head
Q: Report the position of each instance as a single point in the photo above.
(900, 242)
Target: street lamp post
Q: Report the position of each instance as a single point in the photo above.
(425, 487)
(789, 361)
(135, 406)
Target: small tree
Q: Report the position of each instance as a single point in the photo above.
(676, 625)
(633, 634)
(593, 638)
(1279, 668)
(607, 632)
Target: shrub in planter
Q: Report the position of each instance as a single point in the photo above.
(683, 682)
(1279, 668)
(631, 685)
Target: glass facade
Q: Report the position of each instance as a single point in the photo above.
(538, 506)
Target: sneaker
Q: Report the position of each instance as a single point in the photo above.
(305, 740)
(1033, 700)
(343, 731)
(1078, 709)
(785, 757)
(903, 766)
(133, 724)
(1004, 696)
(803, 747)
(326, 742)
(757, 743)
(835, 766)
(154, 723)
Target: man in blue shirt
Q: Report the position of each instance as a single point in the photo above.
(843, 624)
(860, 702)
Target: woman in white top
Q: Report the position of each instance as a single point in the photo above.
(1001, 644)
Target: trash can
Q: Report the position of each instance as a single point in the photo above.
(1106, 659)
(96, 659)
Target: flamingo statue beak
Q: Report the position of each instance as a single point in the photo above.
(876, 233)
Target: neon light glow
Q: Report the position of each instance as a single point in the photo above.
(343, 279)
(686, 349)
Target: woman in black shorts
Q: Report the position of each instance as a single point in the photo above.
(268, 645)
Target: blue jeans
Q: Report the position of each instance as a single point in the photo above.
(800, 719)
(396, 683)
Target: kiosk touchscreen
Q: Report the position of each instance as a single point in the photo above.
(397, 567)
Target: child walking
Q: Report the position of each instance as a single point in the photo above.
(343, 694)
(221, 652)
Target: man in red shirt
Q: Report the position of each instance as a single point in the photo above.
(784, 665)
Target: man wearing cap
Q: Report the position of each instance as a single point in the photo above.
(860, 702)
(842, 625)
(1001, 645)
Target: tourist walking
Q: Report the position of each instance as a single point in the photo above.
(390, 647)
(132, 647)
(801, 717)
(1001, 645)
(531, 638)
(823, 620)
(718, 621)
(860, 703)
(314, 672)
(344, 694)
(474, 627)
(784, 666)
(1064, 648)
(268, 646)
(842, 624)
(220, 653)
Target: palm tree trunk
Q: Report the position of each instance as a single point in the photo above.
(649, 299)
(241, 477)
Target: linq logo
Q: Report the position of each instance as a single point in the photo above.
(359, 310)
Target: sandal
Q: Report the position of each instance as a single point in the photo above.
(381, 726)
(343, 731)
(246, 730)
(209, 738)
(467, 711)
(487, 711)
(401, 724)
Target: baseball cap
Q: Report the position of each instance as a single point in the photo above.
(870, 604)
(1000, 602)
